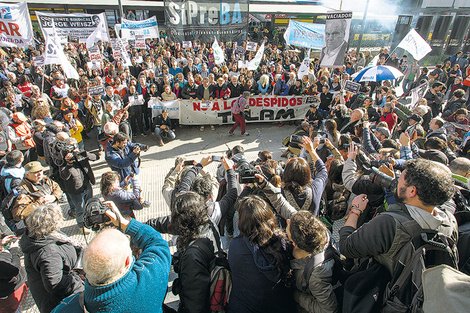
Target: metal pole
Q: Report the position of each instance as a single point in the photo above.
(359, 42)
(121, 12)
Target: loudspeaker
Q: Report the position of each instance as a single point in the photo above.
(440, 33)
(401, 29)
(423, 25)
(457, 34)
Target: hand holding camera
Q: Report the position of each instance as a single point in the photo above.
(115, 216)
(206, 160)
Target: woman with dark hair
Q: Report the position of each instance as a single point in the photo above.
(112, 190)
(24, 85)
(332, 132)
(299, 186)
(259, 262)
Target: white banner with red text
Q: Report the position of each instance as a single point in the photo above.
(15, 25)
(262, 109)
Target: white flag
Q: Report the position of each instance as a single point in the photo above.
(218, 53)
(304, 67)
(374, 61)
(55, 55)
(253, 64)
(96, 35)
(415, 44)
(417, 93)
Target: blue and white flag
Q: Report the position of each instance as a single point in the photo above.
(306, 35)
(144, 29)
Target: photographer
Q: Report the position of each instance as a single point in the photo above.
(78, 178)
(294, 147)
(116, 282)
(121, 155)
(112, 190)
(164, 127)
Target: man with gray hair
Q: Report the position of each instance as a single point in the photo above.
(116, 282)
(239, 107)
(332, 54)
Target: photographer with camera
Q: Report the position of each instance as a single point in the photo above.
(293, 142)
(112, 190)
(121, 155)
(164, 127)
(78, 178)
(116, 282)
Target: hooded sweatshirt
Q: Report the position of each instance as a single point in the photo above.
(17, 174)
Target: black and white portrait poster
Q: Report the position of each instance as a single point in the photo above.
(337, 26)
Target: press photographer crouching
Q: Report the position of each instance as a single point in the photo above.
(123, 157)
(77, 177)
(164, 127)
(113, 190)
(115, 280)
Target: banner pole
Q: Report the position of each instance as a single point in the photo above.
(42, 83)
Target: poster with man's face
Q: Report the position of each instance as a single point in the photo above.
(337, 26)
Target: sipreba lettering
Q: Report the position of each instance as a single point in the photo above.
(191, 13)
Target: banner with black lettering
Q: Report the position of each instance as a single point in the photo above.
(15, 25)
(262, 109)
(79, 25)
(227, 20)
(337, 27)
(173, 107)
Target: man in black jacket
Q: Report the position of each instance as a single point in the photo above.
(236, 89)
(77, 179)
(164, 127)
(205, 91)
(189, 90)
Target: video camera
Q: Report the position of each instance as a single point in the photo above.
(371, 168)
(246, 171)
(142, 147)
(95, 214)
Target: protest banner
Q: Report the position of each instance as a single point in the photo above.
(305, 66)
(139, 44)
(15, 25)
(54, 54)
(251, 46)
(337, 26)
(136, 100)
(79, 24)
(415, 45)
(147, 28)
(94, 53)
(39, 60)
(191, 20)
(418, 93)
(157, 106)
(306, 35)
(263, 109)
(352, 86)
(94, 65)
(96, 90)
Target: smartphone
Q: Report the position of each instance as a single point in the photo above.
(189, 162)
(216, 158)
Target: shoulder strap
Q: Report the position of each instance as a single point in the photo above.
(314, 261)
(403, 216)
(217, 239)
(81, 301)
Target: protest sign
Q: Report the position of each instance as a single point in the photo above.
(96, 90)
(307, 35)
(136, 100)
(187, 44)
(352, 86)
(39, 60)
(191, 20)
(139, 44)
(147, 28)
(263, 109)
(251, 46)
(337, 26)
(79, 24)
(240, 50)
(253, 64)
(94, 65)
(94, 53)
(73, 39)
(15, 25)
(415, 45)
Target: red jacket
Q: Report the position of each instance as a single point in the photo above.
(390, 119)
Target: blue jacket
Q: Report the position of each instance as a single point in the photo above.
(141, 289)
(13, 174)
(126, 201)
(122, 161)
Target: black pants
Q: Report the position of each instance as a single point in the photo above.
(135, 113)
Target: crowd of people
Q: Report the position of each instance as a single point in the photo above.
(367, 158)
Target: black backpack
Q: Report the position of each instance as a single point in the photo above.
(426, 249)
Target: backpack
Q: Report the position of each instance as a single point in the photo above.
(221, 279)
(426, 249)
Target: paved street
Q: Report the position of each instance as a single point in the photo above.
(192, 144)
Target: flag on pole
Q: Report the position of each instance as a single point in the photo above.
(55, 55)
(374, 61)
(253, 64)
(304, 67)
(417, 93)
(415, 45)
(218, 53)
(96, 35)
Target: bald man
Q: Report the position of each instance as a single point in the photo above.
(355, 117)
(332, 54)
(116, 282)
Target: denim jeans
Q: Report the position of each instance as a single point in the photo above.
(79, 200)
(159, 133)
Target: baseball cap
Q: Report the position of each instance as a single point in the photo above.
(384, 131)
(33, 167)
(434, 155)
(19, 116)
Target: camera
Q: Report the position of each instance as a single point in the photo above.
(246, 173)
(295, 139)
(382, 179)
(216, 158)
(95, 214)
(142, 147)
(377, 163)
